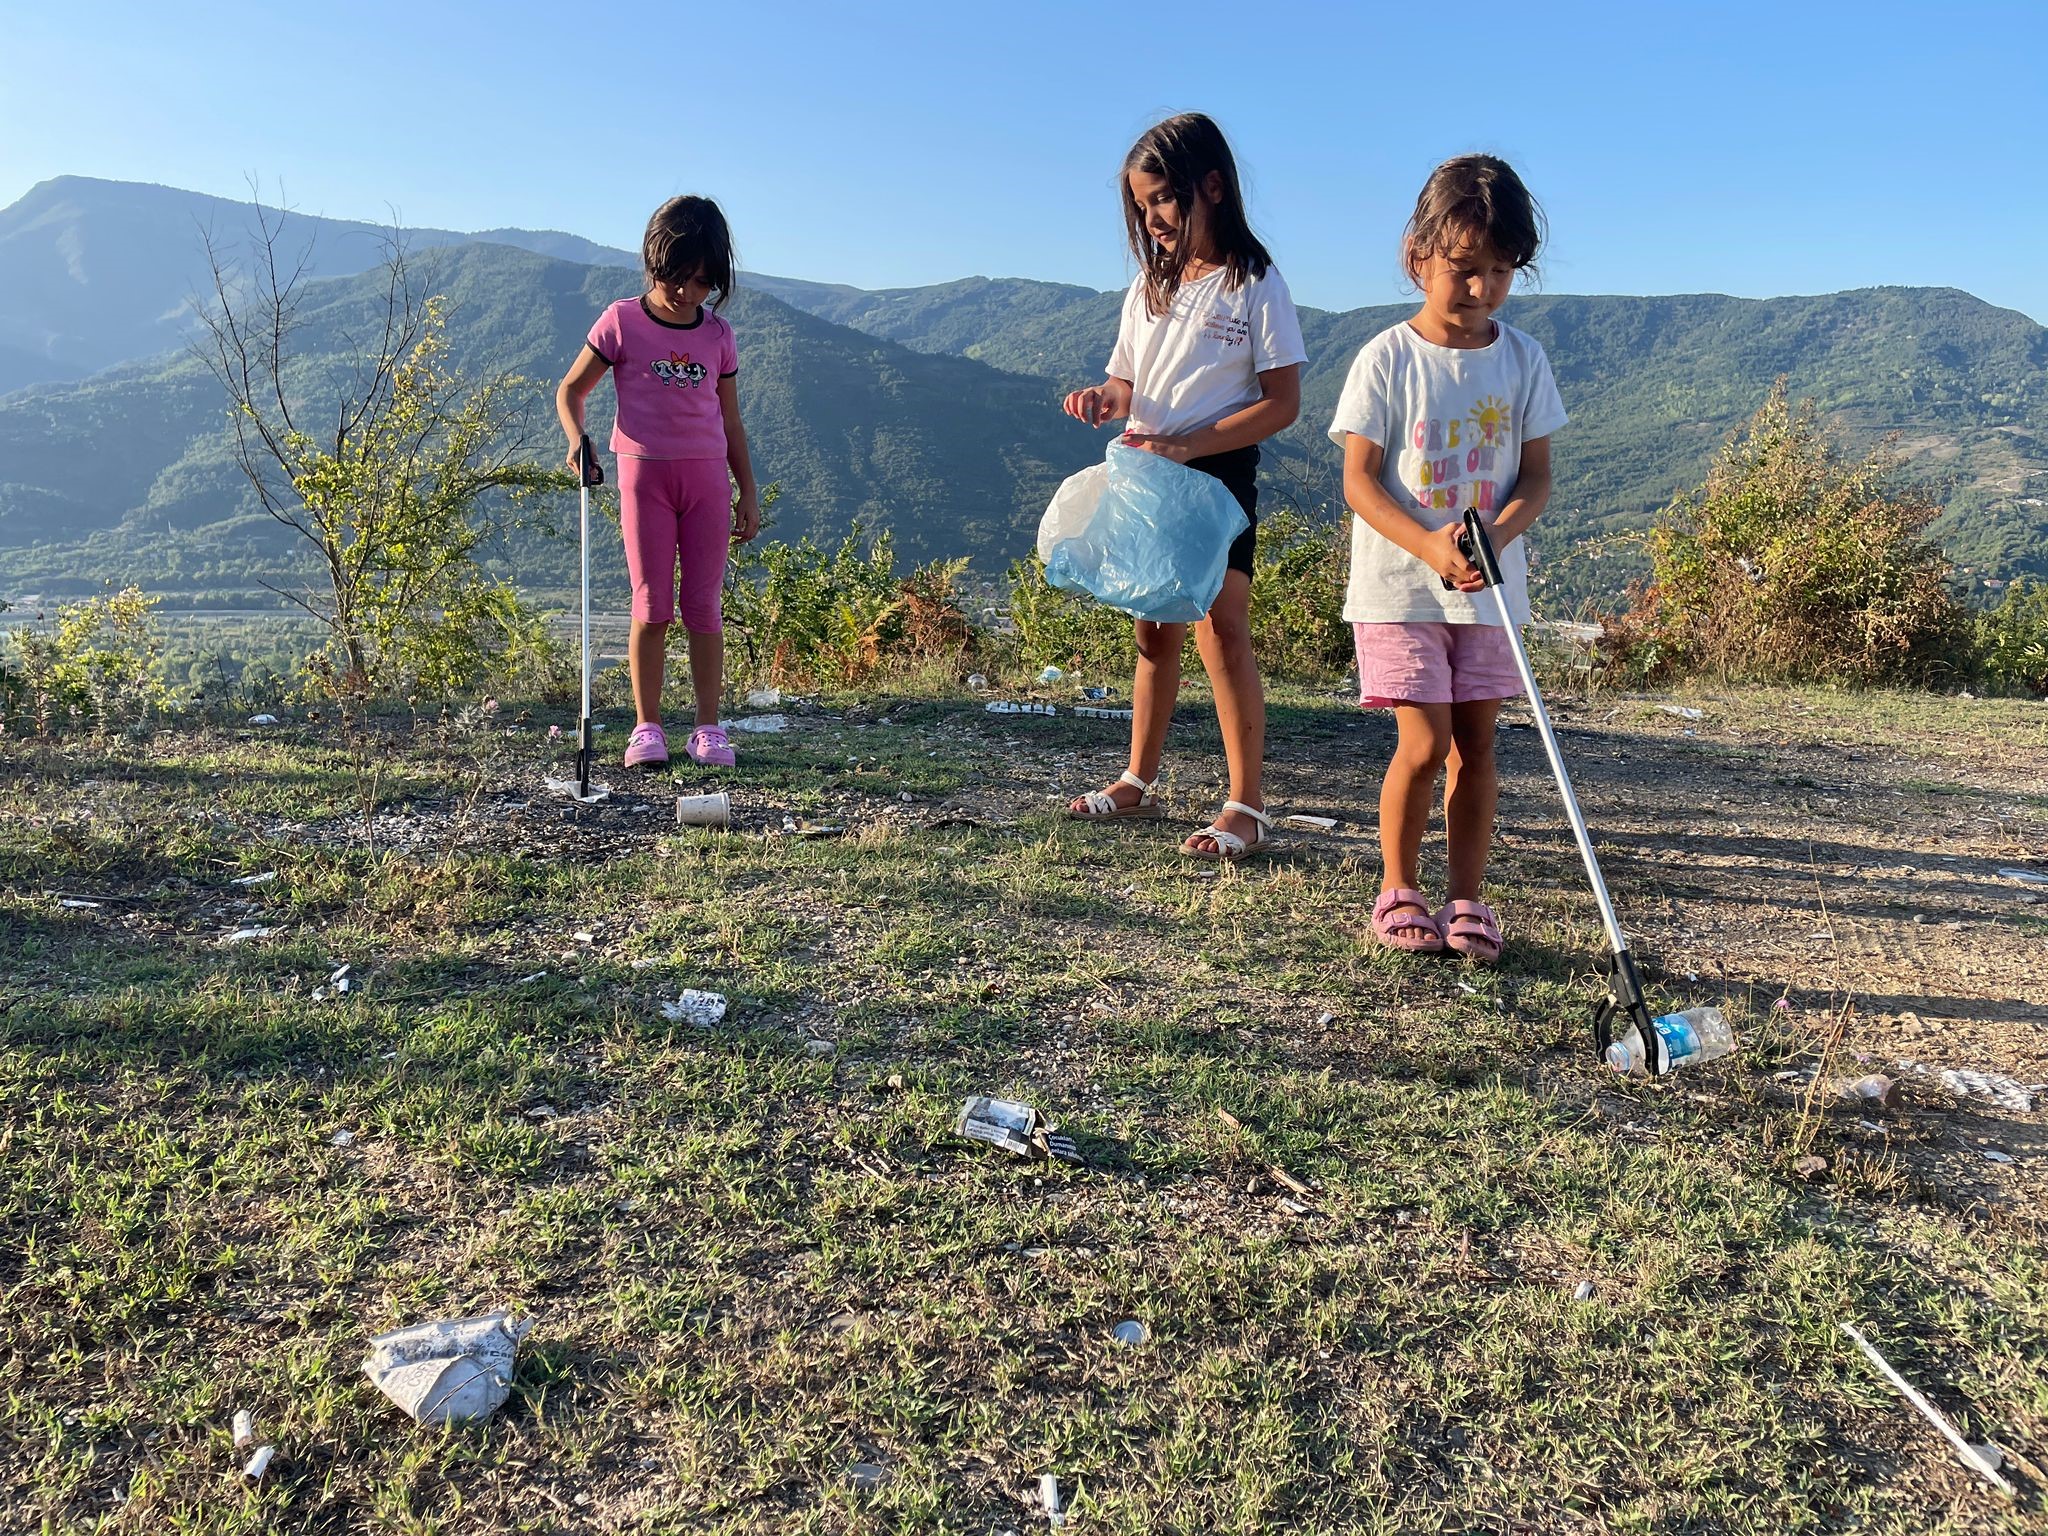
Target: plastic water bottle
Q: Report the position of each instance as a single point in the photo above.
(1691, 1037)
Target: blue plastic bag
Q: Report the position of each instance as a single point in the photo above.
(1141, 534)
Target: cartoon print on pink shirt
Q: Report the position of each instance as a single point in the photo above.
(677, 369)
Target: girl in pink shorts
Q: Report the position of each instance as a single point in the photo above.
(1448, 410)
(681, 449)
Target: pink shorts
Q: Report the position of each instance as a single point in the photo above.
(676, 510)
(1433, 664)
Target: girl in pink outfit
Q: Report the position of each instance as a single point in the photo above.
(681, 449)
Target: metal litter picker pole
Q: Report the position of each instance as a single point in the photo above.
(590, 473)
(1624, 1002)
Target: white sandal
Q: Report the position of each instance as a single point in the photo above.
(1102, 806)
(1229, 846)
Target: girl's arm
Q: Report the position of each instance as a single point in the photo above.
(1274, 411)
(574, 389)
(1532, 494)
(746, 514)
(1436, 548)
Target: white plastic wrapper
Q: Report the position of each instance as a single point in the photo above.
(448, 1372)
(702, 1009)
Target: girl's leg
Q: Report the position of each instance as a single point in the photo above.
(1423, 742)
(1155, 685)
(1225, 640)
(648, 520)
(705, 542)
(646, 655)
(1471, 795)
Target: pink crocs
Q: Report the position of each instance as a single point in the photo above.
(711, 746)
(647, 746)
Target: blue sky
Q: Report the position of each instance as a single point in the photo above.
(1748, 149)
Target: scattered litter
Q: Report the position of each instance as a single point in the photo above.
(1090, 712)
(1991, 1156)
(1049, 1500)
(1005, 707)
(1130, 1331)
(448, 1372)
(1325, 1020)
(1312, 823)
(1097, 694)
(1988, 1453)
(77, 904)
(761, 725)
(713, 810)
(1016, 1127)
(1584, 1291)
(245, 1429)
(584, 936)
(1874, 1089)
(702, 1009)
(1820, 936)
(796, 826)
(764, 698)
(2005, 1092)
(1051, 675)
(342, 1139)
(1810, 1166)
(263, 879)
(1970, 1455)
(573, 789)
(1683, 711)
(543, 1112)
(529, 980)
(1468, 989)
(249, 935)
(2025, 876)
(259, 1464)
(264, 720)
(1295, 1207)
(866, 1476)
(820, 1047)
(1281, 1176)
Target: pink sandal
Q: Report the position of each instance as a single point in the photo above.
(1401, 920)
(1472, 928)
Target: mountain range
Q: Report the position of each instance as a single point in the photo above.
(929, 411)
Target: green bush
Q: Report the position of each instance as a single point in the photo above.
(2012, 641)
(98, 666)
(1793, 564)
(803, 614)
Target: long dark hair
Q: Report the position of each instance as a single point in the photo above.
(1475, 198)
(688, 235)
(1185, 149)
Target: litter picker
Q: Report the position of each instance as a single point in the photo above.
(589, 472)
(1624, 1003)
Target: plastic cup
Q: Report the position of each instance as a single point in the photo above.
(713, 810)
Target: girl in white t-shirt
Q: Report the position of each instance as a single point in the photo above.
(1207, 366)
(1448, 410)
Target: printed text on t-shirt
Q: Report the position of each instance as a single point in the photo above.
(1226, 328)
(1454, 457)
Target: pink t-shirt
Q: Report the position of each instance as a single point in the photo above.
(667, 378)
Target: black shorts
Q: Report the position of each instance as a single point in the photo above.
(1239, 471)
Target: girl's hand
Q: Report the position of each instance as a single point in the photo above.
(1174, 448)
(1440, 550)
(1106, 402)
(746, 519)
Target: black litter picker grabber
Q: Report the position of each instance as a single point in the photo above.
(590, 472)
(1622, 1023)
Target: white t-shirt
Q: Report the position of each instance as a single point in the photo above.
(1201, 360)
(1451, 422)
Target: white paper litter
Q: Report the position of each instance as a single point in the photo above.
(1325, 1020)
(259, 1464)
(529, 980)
(702, 1009)
(764, 698)
(760, 725)
(2025, 876)
(568, 787)
(866, 1476)
(263, 720)
(1005, 707)
(1990, 1156)
(1049, 1499)
(1584, 1291)
(76, 904)
(339, 980)
(1093, 712)
(342, 1139)
(263, 879)
(1683, 711)
(248, 935)
(584, 936)
(245, 1429)
(448, 1372)
(1314, 823)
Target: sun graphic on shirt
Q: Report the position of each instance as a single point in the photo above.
(1491, 421)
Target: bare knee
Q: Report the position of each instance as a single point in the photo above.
(1159, 642)
(1227, 633)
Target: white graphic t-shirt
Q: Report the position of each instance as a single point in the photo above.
(1201, 360)
(1452, 421)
